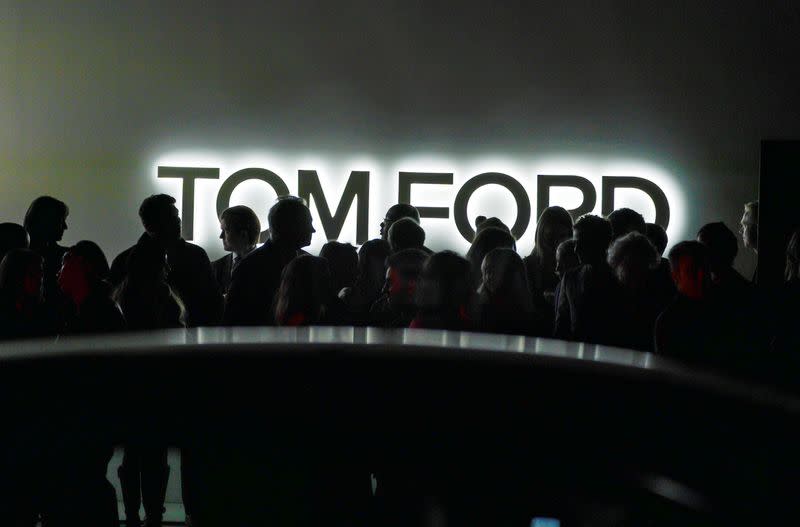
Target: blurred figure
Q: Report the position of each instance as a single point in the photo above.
(658, 237)
(256, 279)
(396, 307)
(748, 228)
(305, 297)
(554, 226)
(445, 293)
(46, 221)
(148, 303)
(367, 288)
(504, 302)
(343, 263)
(722, 249)
(634, 261)
(84, 280)
(405, 233)
(589, 305)
(624, 221)
(566, 259)
(240, 229)
(21, 295)
(189, 269)
(482, 222)
(12, 236)
(487, 240)
(396, 212)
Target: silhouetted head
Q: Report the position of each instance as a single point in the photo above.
(487, 240)
(46, 220)
(305, 292)
(721, 243)
(372, 265)
(657, 236)
(624, 221)
(406, 233)
(554, 226)
(83, 271)
(566, 258)
(632, 257)
(445, 287)
(592, 236)
(792, 273)
(343, 263)
(503, 274)
(402, 275)
(160, 218)
(690, 269)
(21, 275)
(396, 212)
(12, 236)
(240, 229)
(290, 222)
(749, 225)
(482, 222)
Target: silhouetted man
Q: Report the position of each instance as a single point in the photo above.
(396, 212)
(12, 236)
(722, 249)
(748, 228)
(624, 221)
(396, 306)
(240, 231)
(256, 279)
(190, 274)
(405, 233)
(589, 300)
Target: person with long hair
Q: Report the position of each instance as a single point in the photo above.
(305, 296)
(504, 305)
(486, 241)
(369, 280)
(445, 293)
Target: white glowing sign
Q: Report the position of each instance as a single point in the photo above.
(348, 197)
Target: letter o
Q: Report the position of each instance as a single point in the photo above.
(492, 178)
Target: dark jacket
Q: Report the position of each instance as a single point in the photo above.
(253, 286)
(590, 306)
(98, 314)
(222, 272)
(190, 277)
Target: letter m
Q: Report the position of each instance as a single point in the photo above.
(357, 187)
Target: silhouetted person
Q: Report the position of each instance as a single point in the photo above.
(722, 249)
(657, 236)
(12, 236)
(148, 303)
(589, 302)
(343, 263)
(748, 228)
(256, 279)
(554, 226)
(405, 233)
(445, 293)
(787, 309)
(46, 221)
(566, 260)
(371, 274)
(84, 281)
(634, 261)
(504, 301)
(190, 274)
(21, 295)
(396, 307)
(482, 222)
(240, 229)
(396, 212)
(624, 221)
(486, 241)
(305, 296)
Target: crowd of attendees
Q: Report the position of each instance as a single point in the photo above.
(596, 280)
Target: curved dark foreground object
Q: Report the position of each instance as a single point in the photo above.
(293, 426)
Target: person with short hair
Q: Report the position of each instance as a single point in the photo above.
(12, 236)
(255, 281)
(396, 307)
(239, 232)
(405, 233)
(748, 229)
(482, 222)
(624, 221)
(46, 221)
(504, 302)
(343, 263)
(445, 293)
(189, 270)
(657, 236)
(397, 212)
(722, 250)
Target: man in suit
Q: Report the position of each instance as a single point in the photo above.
(190, 275)
(240, 230)
(256, 278)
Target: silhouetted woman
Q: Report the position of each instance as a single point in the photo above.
(147, 303)
(83, 281)
(46, 221)
(445, 294)
(554, 227)
(486, 241)
(21, 295)
(504, 303)
(305, 296)
(371, 275)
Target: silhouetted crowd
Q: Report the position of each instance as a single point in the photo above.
(595, 280)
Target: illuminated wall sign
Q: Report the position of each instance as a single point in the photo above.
(348, 202)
